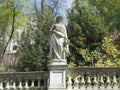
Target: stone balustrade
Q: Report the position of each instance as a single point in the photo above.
(23, 80)
(78, 78)
(93, 78)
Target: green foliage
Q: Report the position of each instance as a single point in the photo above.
(33, 52)
(28, 55)
(11, 17)
(109, 54)
(7, 10)
(110, 10)
(105, 55)
(85, 30)
(71, 64)
(3, 69)
(90, 23)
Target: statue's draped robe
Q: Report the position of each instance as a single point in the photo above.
(58, 38)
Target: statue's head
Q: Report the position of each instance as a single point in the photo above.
(59, 19)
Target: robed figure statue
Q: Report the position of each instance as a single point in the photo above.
(58, 40)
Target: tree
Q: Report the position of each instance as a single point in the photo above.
(11, 17)
(105, 55)
(109, 55)
(34, 48)
(86, 30)
(110, 10)
(56, 5)
(94, 32)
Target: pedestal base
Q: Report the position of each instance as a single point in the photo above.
(57, 79)
(57, 62)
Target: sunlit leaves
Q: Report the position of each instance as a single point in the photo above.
(85, 31)
(105, 55)
(109, 53)
(7, 10)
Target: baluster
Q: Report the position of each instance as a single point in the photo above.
(32, 84)
(1, 85)
(82, 82)
(45, 83)
(14, 84)
(115, 86)
(108, 82)
(7, 84)
(89, 86)
(69, 82)
(95, 82)
(38, 83)
(101, 82)
(20, 84)
(48, 82)
(76, 83)
(26, 84)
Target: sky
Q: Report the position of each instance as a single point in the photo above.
(66, 4)
(62, 10)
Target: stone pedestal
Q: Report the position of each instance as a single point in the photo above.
(57, 77)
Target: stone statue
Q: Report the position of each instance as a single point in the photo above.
(58, 40)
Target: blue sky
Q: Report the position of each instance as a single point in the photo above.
(66, 4)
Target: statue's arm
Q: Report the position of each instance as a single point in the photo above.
(51, 29)
(59, 33)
